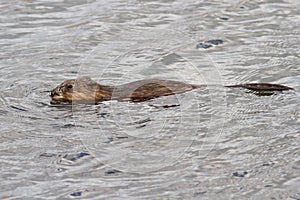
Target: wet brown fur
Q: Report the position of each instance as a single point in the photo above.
(84, 90)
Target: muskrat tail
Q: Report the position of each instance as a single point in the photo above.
(261, 87)
(199, 86)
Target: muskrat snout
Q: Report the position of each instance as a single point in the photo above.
(52, 94)
(57, 97)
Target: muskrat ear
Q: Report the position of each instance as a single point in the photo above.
(84, 78)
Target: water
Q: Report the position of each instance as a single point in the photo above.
(217, 144)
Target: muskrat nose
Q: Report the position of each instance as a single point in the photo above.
(53, 93)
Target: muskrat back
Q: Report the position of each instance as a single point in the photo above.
(144, 90)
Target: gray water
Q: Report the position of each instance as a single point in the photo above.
(205, 144)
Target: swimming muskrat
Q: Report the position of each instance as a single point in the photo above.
(84, 90)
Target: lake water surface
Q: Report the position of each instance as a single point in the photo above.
(215, 143)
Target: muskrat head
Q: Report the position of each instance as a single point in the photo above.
(76, 91)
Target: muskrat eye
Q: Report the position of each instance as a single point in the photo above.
(69, 86)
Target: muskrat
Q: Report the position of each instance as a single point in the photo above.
(84, 90)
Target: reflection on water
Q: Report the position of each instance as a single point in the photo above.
(216, 143)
